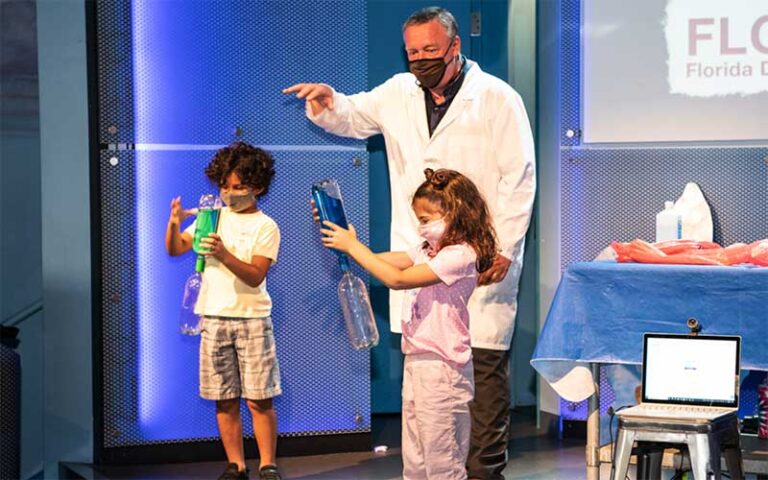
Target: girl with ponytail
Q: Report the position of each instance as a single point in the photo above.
(440, 274)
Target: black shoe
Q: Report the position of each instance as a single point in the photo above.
(269, 472)
(233, 472)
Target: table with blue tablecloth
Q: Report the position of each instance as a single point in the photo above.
(602, 309)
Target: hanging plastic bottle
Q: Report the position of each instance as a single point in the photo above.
(353, 296)
(207, 222)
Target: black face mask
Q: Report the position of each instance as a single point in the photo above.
(430, 71)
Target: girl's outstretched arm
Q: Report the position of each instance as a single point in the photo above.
(390, 275)
(399, 260)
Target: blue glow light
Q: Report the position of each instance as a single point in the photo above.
(167, 84)
(199, 70)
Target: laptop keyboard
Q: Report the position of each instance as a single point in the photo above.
(678, 411)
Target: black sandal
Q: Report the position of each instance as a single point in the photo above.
(269, 472)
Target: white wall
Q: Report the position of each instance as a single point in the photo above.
(66, 233)
(548, 23)
(521, 33)
(20, 240)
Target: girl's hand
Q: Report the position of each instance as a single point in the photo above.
(315, 213)
(212, 246)
(178, 214)
(338, 238)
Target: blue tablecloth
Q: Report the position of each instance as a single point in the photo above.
(601, 310)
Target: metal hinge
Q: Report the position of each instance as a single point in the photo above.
(475, 24)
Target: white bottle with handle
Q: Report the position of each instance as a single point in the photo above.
(668, 224)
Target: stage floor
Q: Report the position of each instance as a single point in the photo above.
(534, 455)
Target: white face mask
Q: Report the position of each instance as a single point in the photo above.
(433, 231)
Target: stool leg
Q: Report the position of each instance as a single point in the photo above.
(648, 462)
(624, 443)
(733, 462)
(732, 453)
(698, 449)
(654, 464)
(714, 455)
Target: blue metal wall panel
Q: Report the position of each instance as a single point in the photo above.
(151, 374)
(202, 69)
(193, 73)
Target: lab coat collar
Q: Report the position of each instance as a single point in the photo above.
(461, 102)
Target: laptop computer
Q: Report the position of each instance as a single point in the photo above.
(688, 377)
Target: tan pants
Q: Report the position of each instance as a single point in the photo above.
(436, 421)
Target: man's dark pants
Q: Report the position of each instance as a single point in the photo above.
(490, 415)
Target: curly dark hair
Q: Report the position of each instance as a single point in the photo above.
(254, 166)
(466, 213)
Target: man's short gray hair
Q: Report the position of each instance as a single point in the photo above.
(426, 15)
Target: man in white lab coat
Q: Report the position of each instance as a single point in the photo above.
(447, 113)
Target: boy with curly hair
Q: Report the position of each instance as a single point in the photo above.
(237, 346)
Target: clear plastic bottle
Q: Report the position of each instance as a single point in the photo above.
(353, 296)
(358, 315)
(189, 321)
(207, 222)
(668, 224)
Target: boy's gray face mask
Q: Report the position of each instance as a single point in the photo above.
(237, 202)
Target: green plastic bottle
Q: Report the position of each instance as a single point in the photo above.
(207, 222)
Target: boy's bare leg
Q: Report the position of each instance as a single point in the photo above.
(231, 430)
(265, 429)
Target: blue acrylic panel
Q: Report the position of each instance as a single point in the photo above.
(151, 370)
(178, 79)
(203, 69)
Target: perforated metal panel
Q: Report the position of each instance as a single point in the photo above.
(200, 70)
(178, 80)
(115, 66)
(578, 410)
(614, 193)
(149, 367)
(570, 77)
(119, 297)
(10, 413)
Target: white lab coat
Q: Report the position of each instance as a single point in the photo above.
(485, 135)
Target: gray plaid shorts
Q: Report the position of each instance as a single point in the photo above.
(238, 359)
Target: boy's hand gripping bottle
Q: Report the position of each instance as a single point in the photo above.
(353, 296)
(207, 222)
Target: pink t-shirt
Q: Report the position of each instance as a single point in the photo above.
(435, 318)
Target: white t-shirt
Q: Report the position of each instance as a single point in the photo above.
(222, 292)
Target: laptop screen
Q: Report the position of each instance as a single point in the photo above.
(691, 370)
